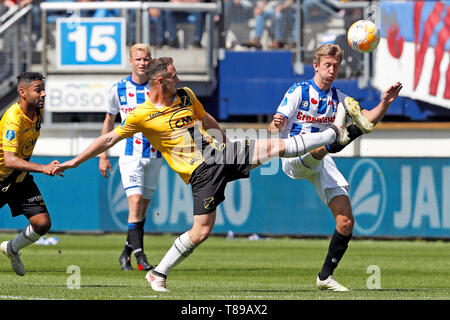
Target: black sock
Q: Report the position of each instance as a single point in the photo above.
(127, 249)
(336, 250)
(137, 237)
(133, 236)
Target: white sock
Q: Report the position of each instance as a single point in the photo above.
(309, 161)
(302, 143)
(181, 249)
(25, 238)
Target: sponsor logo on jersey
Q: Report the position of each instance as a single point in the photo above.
(310, 119)
(10, 135)
(368, 195)
(28, 147)
(181, 119)
(127, 110)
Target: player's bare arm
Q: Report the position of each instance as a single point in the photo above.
(104, 164)
(389, 96)
(101, 144)
(12, 161)
(212, 127)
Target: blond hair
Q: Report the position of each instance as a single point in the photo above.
(140, 47)
(328, 50)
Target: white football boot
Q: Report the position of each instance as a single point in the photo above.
(330, 284)
(16, 262)
(158, 283)
(354, 110)
(339, 125)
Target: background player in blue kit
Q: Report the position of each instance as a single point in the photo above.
(307, 107)
(139, 161)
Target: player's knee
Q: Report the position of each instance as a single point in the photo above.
(345, 224)
(204, 234)
(201, 234)
(42, 227)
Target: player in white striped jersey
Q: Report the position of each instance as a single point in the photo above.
(139, 162)
(310, 106)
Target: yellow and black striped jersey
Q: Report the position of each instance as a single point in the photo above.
(174, 130)
(19, 135)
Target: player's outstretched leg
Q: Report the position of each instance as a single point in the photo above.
(14, 257)
(354, 110)
(303, 143)
(339, 125)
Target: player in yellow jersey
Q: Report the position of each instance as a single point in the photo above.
(191, 141)
(19, 129)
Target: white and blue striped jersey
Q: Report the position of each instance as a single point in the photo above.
(125, 96)
(308, 109)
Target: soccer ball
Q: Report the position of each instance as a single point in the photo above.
(363, 36)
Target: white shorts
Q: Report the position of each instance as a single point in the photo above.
(326, 178)
(140, 175)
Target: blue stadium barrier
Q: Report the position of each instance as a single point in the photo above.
(254, 83)
(391, 197)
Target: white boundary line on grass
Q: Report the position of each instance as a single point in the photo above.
(24, 298)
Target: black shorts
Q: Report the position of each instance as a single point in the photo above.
(209, 180)
(23, 198)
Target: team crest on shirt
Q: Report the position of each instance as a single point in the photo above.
(10, 135)
(185, 101)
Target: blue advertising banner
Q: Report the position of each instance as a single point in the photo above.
(90, 42)
(398, 197)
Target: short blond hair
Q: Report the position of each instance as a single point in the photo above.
(140, 47)
(328, 49)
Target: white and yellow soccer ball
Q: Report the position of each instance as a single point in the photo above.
(363, 36)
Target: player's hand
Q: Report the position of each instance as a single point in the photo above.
(104, 165)
(279, 121)
(50, 168)
(392, 92)
(60, 168)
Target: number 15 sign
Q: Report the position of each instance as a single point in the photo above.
(90, 43)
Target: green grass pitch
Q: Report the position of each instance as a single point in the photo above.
(237, 269)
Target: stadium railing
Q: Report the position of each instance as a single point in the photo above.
(15, 46)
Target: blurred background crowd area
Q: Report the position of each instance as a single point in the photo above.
(239, 24)
(222, 49)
